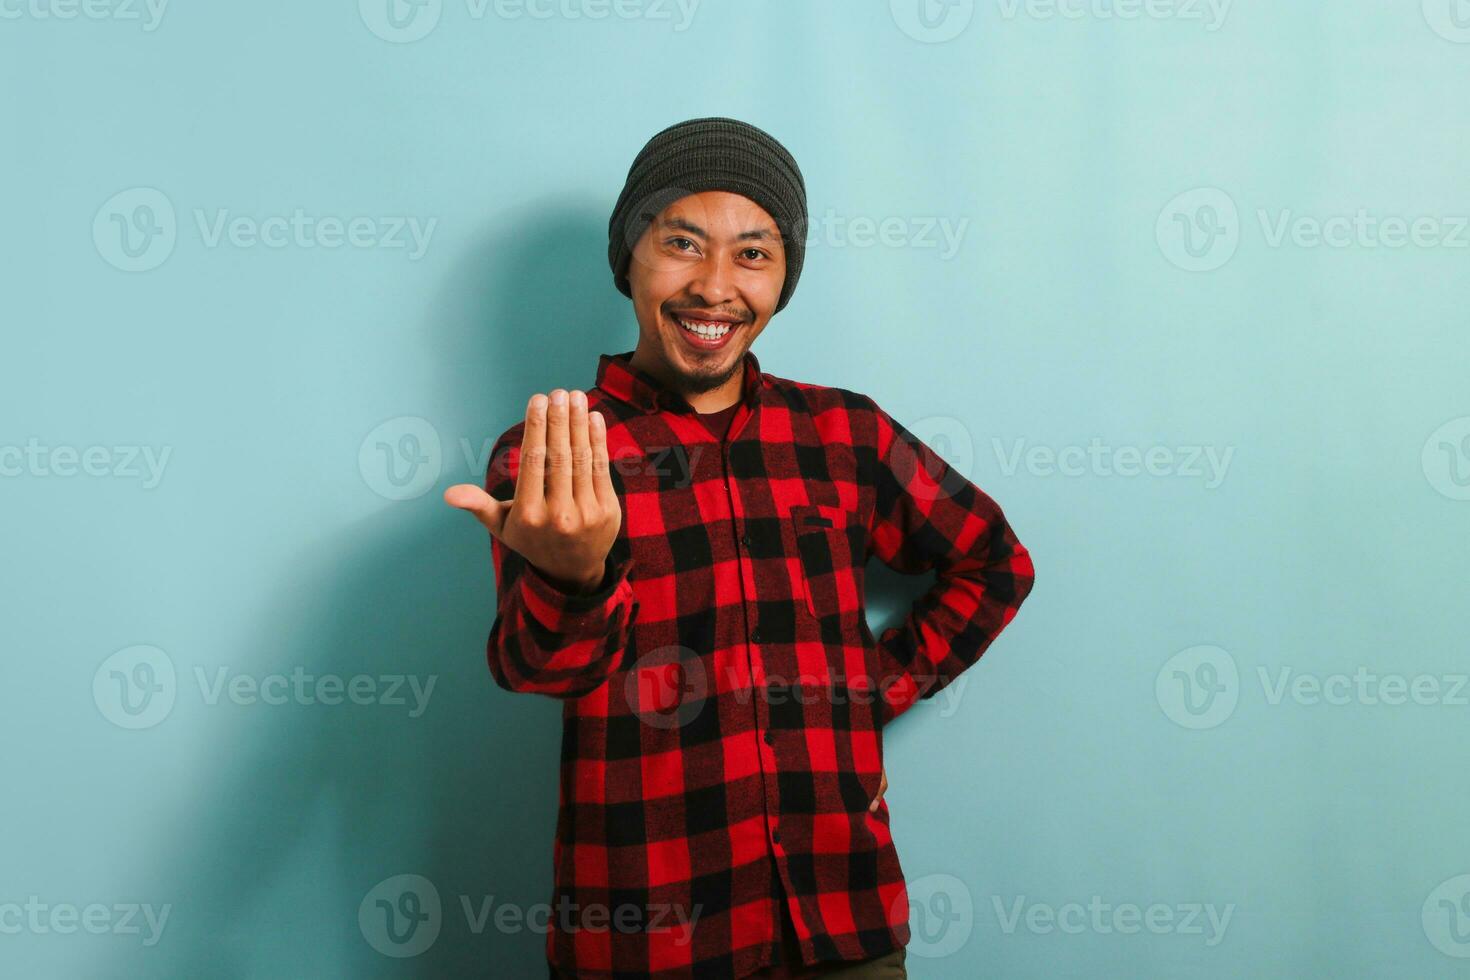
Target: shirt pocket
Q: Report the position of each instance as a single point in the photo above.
(828, 542)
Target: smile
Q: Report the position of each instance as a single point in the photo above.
(708, 329)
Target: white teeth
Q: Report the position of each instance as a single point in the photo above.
(707, 330)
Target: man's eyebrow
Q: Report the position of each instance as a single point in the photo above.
(755, 234)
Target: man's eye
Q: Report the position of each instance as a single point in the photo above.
(675, 242)
(754, 253)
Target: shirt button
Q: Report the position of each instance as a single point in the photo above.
(769, 739)
(745, 540)
(775, 837)
(755, 635)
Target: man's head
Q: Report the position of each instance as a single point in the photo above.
(710, 226)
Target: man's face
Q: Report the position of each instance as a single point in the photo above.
(714, 259)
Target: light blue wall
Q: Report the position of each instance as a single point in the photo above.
(1127, 739)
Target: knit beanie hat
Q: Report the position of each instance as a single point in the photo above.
(710, 154)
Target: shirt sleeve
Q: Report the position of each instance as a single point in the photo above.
(546, 640)
(929, 516)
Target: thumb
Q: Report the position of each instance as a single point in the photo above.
(487, 510)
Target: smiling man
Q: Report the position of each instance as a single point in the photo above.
(679, 559)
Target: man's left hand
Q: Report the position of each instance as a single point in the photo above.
(882, 788)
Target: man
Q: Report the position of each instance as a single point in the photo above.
(679, 556)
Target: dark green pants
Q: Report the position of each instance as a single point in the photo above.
(889, 966)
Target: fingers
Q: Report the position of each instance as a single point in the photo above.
(531, 479)
(564, 457)
(882, 788)
(582, 489)
(602, 484)
(558, 452)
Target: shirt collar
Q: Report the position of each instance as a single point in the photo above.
(618, 377)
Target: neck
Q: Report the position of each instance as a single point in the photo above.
(704, 401)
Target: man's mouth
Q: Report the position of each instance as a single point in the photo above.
(708, 329)
(706, 332)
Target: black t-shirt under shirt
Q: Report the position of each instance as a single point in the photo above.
(718, 423)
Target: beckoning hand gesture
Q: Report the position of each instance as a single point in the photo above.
(565, 514)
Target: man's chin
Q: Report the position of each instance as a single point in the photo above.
(702, 371)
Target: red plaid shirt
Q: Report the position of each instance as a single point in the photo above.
(723, 697)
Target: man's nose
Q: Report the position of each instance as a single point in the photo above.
(714, 282)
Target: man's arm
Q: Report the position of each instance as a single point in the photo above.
(551, 637)
(928, 516)
(565, 607)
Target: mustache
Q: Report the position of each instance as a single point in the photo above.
(743, 316)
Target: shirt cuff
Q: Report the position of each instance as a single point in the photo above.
(575, 604)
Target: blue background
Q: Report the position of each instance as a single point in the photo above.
(1116, 185)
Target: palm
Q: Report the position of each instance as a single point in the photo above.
(565, 514)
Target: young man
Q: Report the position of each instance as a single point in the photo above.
(679, 556)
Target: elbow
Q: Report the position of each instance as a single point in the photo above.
(1023, 575)
(521, 671)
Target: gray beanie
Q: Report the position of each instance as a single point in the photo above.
(710, 154)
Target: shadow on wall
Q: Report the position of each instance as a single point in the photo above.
(314, 806)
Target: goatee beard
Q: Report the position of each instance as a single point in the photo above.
(702, 382)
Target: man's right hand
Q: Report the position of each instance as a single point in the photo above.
(565, 514)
